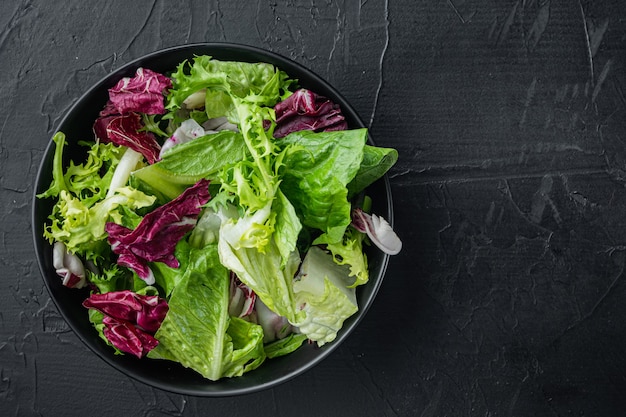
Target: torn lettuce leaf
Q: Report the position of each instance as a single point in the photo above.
(265, 272)
(323, 294)
(89, 180)
(316, 169)
(376, 162)
(128, 130)
(348, 251)
(82, 227)
(142, 93)
(156, 236)
(285, 346)
(197, 330)
(306, 110)
(83, 207)
(187, 163)
(220, 81)
(247, 347)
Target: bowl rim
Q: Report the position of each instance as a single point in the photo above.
(281, 62)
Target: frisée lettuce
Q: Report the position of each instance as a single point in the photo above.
(84, 205)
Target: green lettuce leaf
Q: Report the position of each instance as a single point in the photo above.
(197, 331)
(264, 271)
(323, 294)
(287, 226)
(261, 83)
(376, 162)
(316, 169)
(285, 346)
(258, 235)
(185, 164)
(113, 278)
(83, 207)
(248, 351)
(167, 277)
(268, 224)
(90, 180)
(81, 227)
(58, 181)
(348, 251)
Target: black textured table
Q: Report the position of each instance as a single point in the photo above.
(509, 296)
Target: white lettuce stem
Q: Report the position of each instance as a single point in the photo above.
(127, 164)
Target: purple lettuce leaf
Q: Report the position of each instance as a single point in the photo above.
(143, 93)
(306, 110)
(156, 236)
(122, 305)
(130, 319)
(128, 337)
(146, 311)
(127, 130)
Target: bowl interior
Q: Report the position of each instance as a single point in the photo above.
(163, 374)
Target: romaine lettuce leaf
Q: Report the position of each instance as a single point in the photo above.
(265, 272)
(316, 168)
(167, 277)
(247, 344)
(186, 163)
(197, 331)
(376, 162)
(287, 225)
(284, 346)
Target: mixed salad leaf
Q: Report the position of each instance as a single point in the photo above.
(215, 219)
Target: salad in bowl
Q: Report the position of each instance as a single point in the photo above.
(213, 216)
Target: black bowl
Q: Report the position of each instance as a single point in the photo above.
(165, 375)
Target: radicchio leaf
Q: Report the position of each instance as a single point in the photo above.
(306, 110)
(378, 230)
(128, 337)
(155, 238)
(146, 311)
(143, 93)
(127, 130)
(130, 319)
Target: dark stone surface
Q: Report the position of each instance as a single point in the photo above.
(509, 295)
